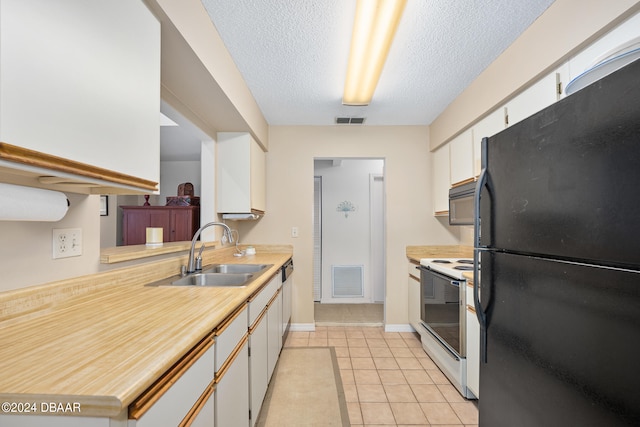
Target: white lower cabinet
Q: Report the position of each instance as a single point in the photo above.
(231, 395)
(232, 370)
(473, 346)
(265, 339)
(414, 296)
(180, 398)
(274, 327)
(258, 365)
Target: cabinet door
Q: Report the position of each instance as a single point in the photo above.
(240, 173)
(70, 71)
(136, 220)
(537, 97)
(174, 405)
(473, 347)
(183, 222)
(160, 218)
(489, 126)
(274, 322)
(441, 179)
(414, 296)
(473, 352)
(134, 225)
(258, 178)
(461, 157)
(232, 394)
(259, 370)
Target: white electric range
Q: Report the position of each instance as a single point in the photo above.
(443, 316)
(453, 267)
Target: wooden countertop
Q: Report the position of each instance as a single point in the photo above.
(415, 253)
(101, 340)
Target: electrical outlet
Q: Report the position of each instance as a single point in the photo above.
(294, 231)
(67, 242)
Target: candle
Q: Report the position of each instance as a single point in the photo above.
(154, 236)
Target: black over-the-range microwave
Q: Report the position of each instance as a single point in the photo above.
(461, 204)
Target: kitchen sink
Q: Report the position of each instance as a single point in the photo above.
(218, 275)
(236, 268)
(215, 279)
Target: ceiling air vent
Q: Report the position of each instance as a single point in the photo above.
(349, 120)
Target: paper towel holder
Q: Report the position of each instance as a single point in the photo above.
(22, 203)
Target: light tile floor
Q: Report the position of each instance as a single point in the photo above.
(388, 379)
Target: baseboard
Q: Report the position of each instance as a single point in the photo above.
(400, 327)
(302, 327)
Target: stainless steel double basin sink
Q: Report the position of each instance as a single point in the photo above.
(223, 275)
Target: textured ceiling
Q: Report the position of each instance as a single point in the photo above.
(293, 54)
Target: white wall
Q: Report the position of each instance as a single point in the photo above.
(26, 247)
(346, 237)
(410, 221)
(173, 174)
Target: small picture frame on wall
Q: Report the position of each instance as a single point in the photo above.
(104, 205)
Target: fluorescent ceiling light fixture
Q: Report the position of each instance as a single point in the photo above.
(374, 27)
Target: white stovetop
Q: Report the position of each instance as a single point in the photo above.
(449, 266)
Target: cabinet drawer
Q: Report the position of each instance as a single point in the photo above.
(229, 334)
(260, 301)
(178, 400)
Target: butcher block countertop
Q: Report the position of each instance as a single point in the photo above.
(415, 253)
(101, 340)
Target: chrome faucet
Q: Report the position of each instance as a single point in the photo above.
(191, 268)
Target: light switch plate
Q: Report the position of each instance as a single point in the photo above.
(67, 242)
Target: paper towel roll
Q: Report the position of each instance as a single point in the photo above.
(19, 203)
(154, 236)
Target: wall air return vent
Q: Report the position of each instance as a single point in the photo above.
(347, 281)
(349, 120)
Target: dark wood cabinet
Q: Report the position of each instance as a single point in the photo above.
(179, 223)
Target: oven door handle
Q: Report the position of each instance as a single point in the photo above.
(452, 280)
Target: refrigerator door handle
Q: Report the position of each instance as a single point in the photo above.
(480, 313)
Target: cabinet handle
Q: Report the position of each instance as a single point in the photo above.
(258, 320)
(197, 408)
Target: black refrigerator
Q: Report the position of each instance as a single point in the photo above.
(558, 251)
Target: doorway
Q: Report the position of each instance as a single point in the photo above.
(349, 244)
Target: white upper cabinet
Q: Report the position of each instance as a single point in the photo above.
(441, 179)
(80, 80)
(489, 126)
(461, 152)
(535, 98)
(241, 171)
